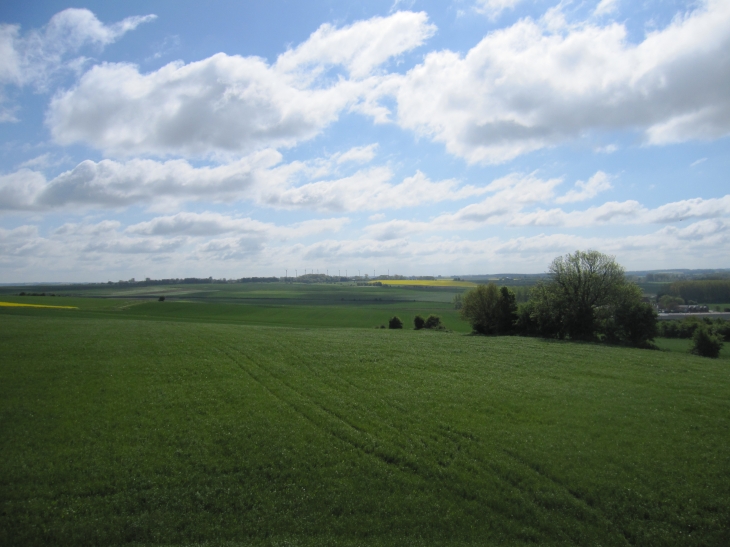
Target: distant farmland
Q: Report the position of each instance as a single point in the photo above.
(425, 283)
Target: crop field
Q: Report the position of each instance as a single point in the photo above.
(153, 429)
(25, 305)
(426, 283)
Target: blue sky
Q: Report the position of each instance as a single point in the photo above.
(229, 139)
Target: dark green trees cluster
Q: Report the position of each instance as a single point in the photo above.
(587, 297)
(490, 310)
(431, 322)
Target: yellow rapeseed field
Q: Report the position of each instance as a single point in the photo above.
(426, 282)
(15, 305)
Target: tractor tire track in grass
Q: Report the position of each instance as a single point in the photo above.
(325, 420)
(518, 499)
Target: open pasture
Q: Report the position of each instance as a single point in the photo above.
(161, 432)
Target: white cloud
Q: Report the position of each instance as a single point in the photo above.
(22, 241)
(358, 154)
(111, 184)
(706, 243)
(360, 47)
(19, 190)
(528, 87)
(509, 195)
(104, 247)
(600, 182)
(34, 57)
(606, 7)
(232, 104)
(494, 8)
(213, 224)
(259, 178)
(691, 209)
(508, 207)
(608, 149)
(698, 162)
(367, 190)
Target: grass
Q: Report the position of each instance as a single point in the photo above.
(683, 345)
(121, 430)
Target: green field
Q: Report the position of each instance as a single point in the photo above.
(133, 421)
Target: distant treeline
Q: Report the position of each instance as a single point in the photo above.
(715, 291)
(192, 281)
(687, 327)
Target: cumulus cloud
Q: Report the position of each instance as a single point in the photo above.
(537, 84)
(112, 184)
(33, 57)
(19, 242)
(600, 182)
(260, 178)
(232, 104)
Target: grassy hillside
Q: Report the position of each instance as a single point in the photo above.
(119, 431)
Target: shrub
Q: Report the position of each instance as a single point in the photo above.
(705, 344)
(395, 323)
(418, 322)
(161, 299)
(433, 322)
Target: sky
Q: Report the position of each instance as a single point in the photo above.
(264, 138)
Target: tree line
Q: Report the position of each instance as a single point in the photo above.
(715, 291)
(586, 296)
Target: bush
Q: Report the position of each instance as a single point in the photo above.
(433, 322)
(418, 322)
(161, 299)
(705, 344)
(395, 323)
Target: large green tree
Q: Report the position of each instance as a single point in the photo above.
(588, 297)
